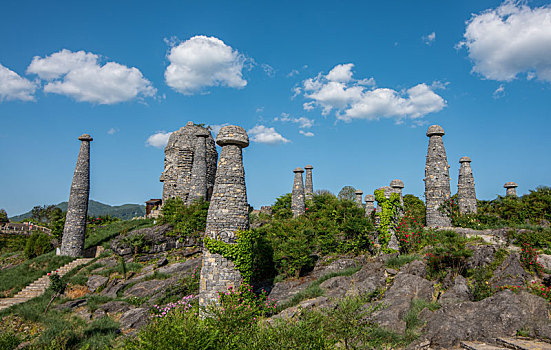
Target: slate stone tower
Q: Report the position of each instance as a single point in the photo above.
(198, 182)
(179, 159)
(359, 194)
(466, 195)
(437, 178)
(397, 185)
(369, 206)
(297, 196)
(308, 185)
(74, 231)
(511, 189)
(228, 213)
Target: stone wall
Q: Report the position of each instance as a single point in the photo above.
(179, 154)
(437, 178)
(298, 206)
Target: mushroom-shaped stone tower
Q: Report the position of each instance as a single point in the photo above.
(74, 231)
(228, 213)
(298, 205)
(369, 204)
(359, 194)
(198, 182)
(511, 188)
(437, 178)
(466, 195)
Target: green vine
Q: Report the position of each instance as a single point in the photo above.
(388, 215)
(250, 254)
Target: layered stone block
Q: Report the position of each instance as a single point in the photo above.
(298, 205)
(511, 188)
(308, 184)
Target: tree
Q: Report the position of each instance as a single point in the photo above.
(3, 216)
(415, 207)
(348, 193)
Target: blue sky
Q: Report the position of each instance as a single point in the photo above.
(349, 87)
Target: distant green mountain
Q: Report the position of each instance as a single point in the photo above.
(124, 212)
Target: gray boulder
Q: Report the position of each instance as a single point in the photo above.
(510, 272)
(499, 315)
(460, 292)
(134, 319)
(95, 282)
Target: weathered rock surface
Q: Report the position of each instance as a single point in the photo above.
(482, 255)
(510, 272)
(95, 282)
(416, 267)
(147, 288)
(134, 318)
(460, 292)
(500, 315)
(397, 301)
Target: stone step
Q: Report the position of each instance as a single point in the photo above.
(523, 344)
(476, 345)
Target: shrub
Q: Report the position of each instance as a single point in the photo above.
(415, 208)
(409, 233)
(448, 254)
(37, 244)
(187, 219)
(529, 260)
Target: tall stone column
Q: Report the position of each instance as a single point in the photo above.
(397, 185)
(359, 194)
(74, 231)
(308, 185)
(228, 213)
(466, 195)
(297, 196)
(511, 189)
(437, 178)
(198, 183)
(369, 206)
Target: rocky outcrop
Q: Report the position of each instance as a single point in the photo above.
(503, 314)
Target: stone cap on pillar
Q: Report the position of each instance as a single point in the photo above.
(510, 185)
(396, 183)
(465, 160)
(202, 133)
(435, 130)
(232, 135)
(369, 198)
(85, 137)
(298, 170)
(359, 192)
(308, 167)
(190, 123)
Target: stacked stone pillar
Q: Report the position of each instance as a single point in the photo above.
(228, 213)
(74, 231)
(359, 194)
(308, 185)
(466, 195)
(298, 205)
(511, 189)
(369, 204)
(437, 178)
(198, 183)
(396, 186)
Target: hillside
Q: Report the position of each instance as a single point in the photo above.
(124, 212)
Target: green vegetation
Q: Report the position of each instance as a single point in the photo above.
(415, 208)
(188, 220)
(387, 216)
(448, 254)
(37, 244)
(16, 278)
(101, 235)
(330, 225)
(412, 317)
(398, 261)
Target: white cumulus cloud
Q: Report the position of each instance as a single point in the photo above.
(306, 133)
(499, 92)
(302, 122)
(428, 39)
(216, 127)
(203, 62)
(14, 87)
(263, 134)
(80, 76)
(510, 40)
(351, 99)
(159, 139)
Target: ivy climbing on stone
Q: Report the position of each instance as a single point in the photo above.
(387, 216)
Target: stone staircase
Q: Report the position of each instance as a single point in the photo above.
(39, 286)
(506, 344)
